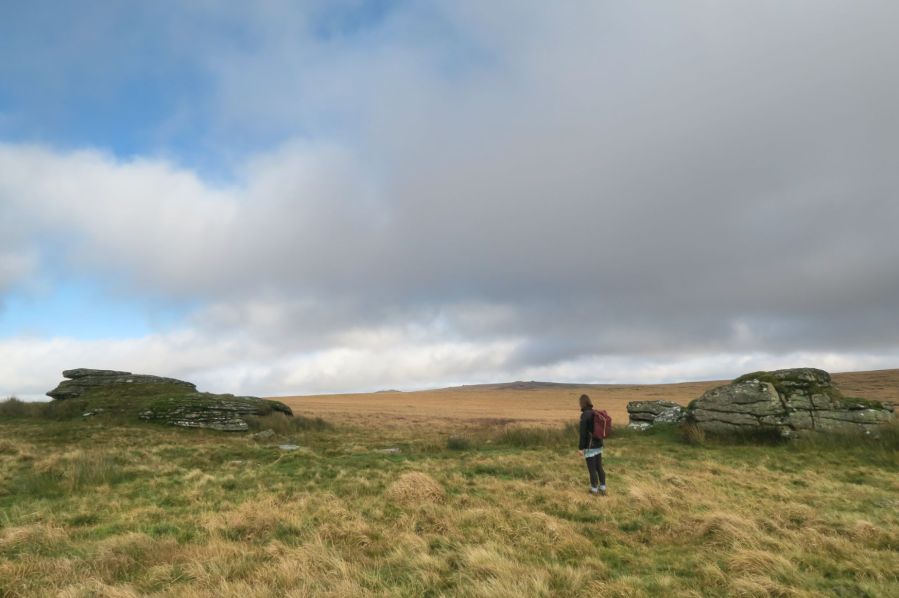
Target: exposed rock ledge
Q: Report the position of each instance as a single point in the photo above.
(81, 379)
(162, 400)
(792, 400)
(204, 410)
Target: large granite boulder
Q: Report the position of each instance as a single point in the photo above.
(81, 379)
(749, 403)
(791, 400)
(162, 400)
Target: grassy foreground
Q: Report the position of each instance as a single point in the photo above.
(89, 509)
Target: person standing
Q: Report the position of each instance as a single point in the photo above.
(590, 448)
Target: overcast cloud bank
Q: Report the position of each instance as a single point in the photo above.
(417, 195)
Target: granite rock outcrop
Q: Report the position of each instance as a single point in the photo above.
(791, 400)
(82, 379)
(161, 400)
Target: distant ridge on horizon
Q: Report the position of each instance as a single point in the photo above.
(548, 403)
(538, 385)
(870, 383)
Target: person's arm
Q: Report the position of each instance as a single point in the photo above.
(586, 433)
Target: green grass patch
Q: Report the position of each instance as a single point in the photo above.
(527, 437)
(147, 510)
(285, 425)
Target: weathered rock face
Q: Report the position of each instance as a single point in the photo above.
(163, 400)
(204, 410)
(82, 379)
(750, 403)
(796, 399)
(644, 414)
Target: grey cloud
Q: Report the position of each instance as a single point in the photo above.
(586, 179)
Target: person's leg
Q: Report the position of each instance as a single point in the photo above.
(591, 467)
(601, 471)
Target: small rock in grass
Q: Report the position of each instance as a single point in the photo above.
(392, 450)
(266, 434)
(288, 447)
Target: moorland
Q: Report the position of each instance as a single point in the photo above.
(537, 403)
(455, 500)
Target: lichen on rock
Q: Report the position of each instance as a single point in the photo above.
(644, 414)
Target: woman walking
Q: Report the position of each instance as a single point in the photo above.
(590, 448)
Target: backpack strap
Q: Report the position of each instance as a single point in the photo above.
(590, 444)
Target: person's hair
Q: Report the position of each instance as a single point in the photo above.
(585, 402)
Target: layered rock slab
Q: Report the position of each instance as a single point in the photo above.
(82, 379)
(203, 410)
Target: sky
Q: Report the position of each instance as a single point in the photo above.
(280, 197)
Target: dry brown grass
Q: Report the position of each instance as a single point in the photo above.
(879, 385)
(88, 510)
(416, 488)
(530, 404)
(477, 407)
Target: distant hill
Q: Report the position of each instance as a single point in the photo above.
(874, 384)
(534, 385)
(520, 385)
(540, 402)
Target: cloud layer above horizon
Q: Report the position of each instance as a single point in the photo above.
(292, 198)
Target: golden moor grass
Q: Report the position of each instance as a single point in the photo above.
(416, 488)
(533, 404)
(165, 513)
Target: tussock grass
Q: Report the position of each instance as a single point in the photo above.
(460, 442)
(416, 488)
(164, 513)
(690, 433)
(545, 437)
(285, 425)
(13, 408)
(885, 439)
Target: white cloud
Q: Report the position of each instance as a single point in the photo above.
(31, 367)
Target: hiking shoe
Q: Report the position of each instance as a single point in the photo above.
(593, 492)
(602, 492)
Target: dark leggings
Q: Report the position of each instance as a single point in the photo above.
(594, 464)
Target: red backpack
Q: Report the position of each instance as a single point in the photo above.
(602, 423)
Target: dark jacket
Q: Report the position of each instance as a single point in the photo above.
(587, 432)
